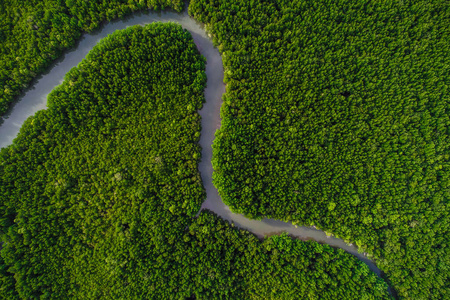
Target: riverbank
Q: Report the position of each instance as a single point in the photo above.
(34, 100)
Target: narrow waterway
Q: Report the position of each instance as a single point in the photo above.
(35, 99)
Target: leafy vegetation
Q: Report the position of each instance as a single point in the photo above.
(97, 188)
(35, 32)
(99, 193)
(336, 114)
(227, 263)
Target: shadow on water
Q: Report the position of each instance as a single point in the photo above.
(35, 98)
(34, 82)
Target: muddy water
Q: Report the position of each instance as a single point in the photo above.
(34, 99)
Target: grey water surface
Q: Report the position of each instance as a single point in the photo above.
(35, 99)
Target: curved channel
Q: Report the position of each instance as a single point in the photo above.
(35, 99)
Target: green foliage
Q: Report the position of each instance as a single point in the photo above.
(34, 32)
(98, 193)
(97, 188)
(336, 114)
(227, 263)
(7, 290)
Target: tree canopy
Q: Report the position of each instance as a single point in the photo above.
(97, 188)
(99, 193)
(337, 115)
(33, 33)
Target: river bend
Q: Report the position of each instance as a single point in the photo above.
(35, 99)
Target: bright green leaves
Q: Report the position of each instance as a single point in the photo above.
(340, 103)
(367, 220)
(90, 189)
(331, 206)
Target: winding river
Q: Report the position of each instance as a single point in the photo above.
(35, 99)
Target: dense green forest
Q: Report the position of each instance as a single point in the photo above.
(99, 193)
(337, 114)
(226, 263)
(33, 33)
(97, 188)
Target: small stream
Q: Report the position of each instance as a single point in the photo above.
(35, 99)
